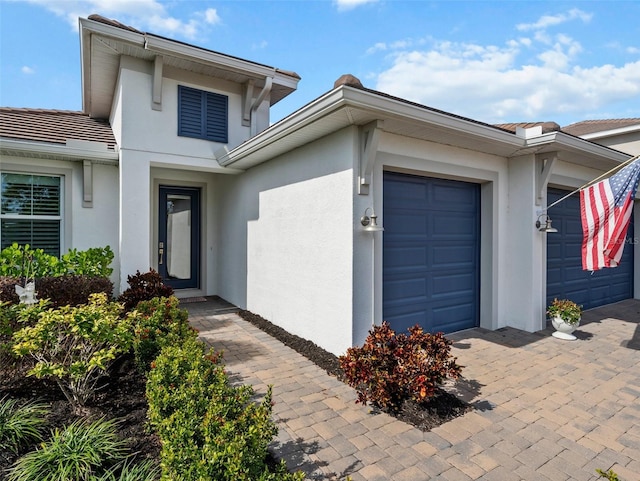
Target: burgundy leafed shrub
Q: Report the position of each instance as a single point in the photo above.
(391, 368)
(144, 287)
(66, 290)
(8, 290)
(72, 290)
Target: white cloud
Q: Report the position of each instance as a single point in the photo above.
(494, 84)
(145, 15)
(344, 5)
(27, 70)
(552, 20)
(211, 16)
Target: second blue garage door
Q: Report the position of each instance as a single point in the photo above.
(431, 253)
(565, 277)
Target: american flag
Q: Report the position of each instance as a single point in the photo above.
(606, 208)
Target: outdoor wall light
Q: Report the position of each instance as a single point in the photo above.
(545, 224)
(370, 222)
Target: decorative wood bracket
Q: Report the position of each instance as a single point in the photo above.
(369, 138)
(87, 184)
(544, 167)
(156, 94)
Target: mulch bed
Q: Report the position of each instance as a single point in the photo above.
(123, 397)
(427, 415)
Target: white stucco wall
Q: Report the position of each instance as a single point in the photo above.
(152, 153)
(628, 142)
(150, 130)
(525, 253)
(286, 230)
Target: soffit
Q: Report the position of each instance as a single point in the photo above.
(104, 59)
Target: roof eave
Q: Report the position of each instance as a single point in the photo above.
(345, 96)
(24, 148)
(612, 132)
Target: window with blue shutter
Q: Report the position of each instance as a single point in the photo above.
(202, 115)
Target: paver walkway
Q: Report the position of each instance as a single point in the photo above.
(545, 409)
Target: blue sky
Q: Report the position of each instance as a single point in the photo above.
(498, 61)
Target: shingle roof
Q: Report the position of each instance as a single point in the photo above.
(586, 127)
(53, 126)
(546, 126)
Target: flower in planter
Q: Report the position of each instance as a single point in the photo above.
(567, 310)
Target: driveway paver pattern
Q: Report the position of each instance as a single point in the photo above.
(544, 409)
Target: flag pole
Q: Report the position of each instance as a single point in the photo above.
(617, 167)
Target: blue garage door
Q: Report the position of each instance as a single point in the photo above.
(565, 277)
(431, 253)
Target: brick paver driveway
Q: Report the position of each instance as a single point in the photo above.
(545, 409)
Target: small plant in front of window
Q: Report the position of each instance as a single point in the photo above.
(391, 368)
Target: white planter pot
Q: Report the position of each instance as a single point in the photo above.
(564, 330)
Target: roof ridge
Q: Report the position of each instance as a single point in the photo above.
(39, 110)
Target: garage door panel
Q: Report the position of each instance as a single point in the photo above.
(454, 195)
(449, 318)
(406, 257)
(565, 277)
(404, 290)
(454, 256)
(451, 285)
(430, 253)
(402, 322)
(451, 226)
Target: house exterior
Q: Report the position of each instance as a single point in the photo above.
(174, 164)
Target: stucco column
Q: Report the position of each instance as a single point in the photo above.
(525, 249)
(135, 227)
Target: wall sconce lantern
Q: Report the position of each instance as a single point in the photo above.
(370, 222)
(545, 224)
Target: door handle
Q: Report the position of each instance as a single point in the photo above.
(160, 252)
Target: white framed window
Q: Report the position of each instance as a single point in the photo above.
(31, 211)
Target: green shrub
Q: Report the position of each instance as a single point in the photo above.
(75, 345)
(20, 423)
(12, 318)
(208, 428)
(27, 263)
(144, 287)
(158, 323)
(391, 368)
(77, 453)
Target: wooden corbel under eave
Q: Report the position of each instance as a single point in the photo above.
(87, 184)
(156, 94)
(369, 138)
(544, 167)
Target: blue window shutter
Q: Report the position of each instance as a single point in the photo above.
(190, 110)
(216, 117)
(202, 115)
